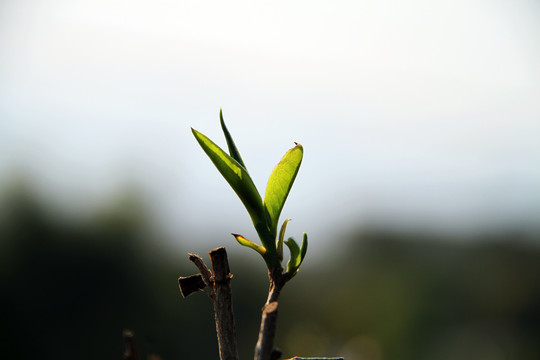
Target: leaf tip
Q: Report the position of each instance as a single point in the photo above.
(245, 242)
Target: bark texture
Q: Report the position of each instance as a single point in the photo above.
(219, 290)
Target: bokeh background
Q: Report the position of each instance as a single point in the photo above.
(420, 187)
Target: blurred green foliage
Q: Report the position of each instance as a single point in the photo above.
(70, 288)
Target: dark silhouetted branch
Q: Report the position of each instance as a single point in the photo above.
(264, 350)
(267, 333)
(223, 306)
(221, 295)
(220, 292)
(129, 353)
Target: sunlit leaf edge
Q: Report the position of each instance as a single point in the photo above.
(233, 150)
(280, 183)
(237, 177)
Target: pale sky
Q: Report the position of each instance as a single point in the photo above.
(412, 113)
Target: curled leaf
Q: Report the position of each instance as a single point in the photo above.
(279, 245)
(294, 261)
(250, 244)
(303, 248)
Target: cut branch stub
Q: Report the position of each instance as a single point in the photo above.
(220, 264)
(191, 284)
(223, 306)
(220, 293)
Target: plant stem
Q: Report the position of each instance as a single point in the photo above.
(223, 308)
(264, 350)
(220, 292)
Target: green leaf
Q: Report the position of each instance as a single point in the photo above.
(295, 260)
(233, 150)
(236, 176)
(250, 244)
(303, 248)
(279, 245)
(280, 183)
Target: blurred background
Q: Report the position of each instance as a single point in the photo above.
(420, 186)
